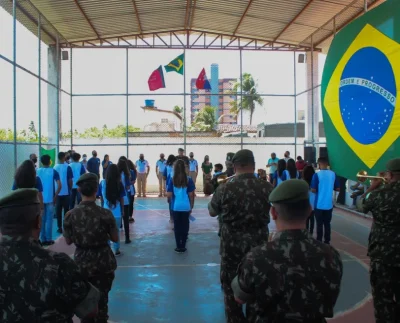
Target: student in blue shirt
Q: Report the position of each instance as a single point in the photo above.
(105, 163)
(279, 175)
(323, 184)
(25, 177)
(66, 176)
(133, 171)
(112, 192)
(291, 171)
(126, 182)
(77, 170)
(160, 167)
(168, 173)
(180, 191)
(93, 164)
(48, 176)
(308, 173)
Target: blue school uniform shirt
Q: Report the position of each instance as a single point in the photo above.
(279, 179)
(133, 179)
(325, 181)
(126, 182)
(77, 170)
(93, 165)
(161, 164)
(38, 185)
(48, 176)
(168, 173)
(180, 201)
(116, 210)
(65, 173)
(286, 175)
(193, 165)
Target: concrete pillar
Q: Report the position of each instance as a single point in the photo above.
(53, 96)
(214, 100)
(313, 105)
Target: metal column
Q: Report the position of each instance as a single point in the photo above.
(241, 98)
(40, 82)
(295, 103)
(312, 92)
(58, 93)
(184, 99)
(127, 103)
(14, 10)
(71, 98)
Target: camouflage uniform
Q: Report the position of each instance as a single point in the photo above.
(242, 203)
(37, 285)
(384, 248)
(89, 227)
(294, 277)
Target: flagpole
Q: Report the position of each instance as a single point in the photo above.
(184, 99)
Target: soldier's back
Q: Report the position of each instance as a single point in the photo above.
(37, 285)
(89, 226)
(295, 278)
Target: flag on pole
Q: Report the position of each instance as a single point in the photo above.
(156, 79)
(176, 65)
(51, 153)
(202, 82)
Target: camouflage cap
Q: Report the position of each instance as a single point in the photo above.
(243, 156)
(229, 156)
(393, 165)
(87, 177)
(290, 191)
(20, 197)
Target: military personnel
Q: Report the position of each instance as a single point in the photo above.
(90, 227)
(293, 278)
(384, 245)
(242, 202)
(229, 166)
(37, 285)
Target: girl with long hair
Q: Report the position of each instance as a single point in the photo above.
(180, 190)
(291, 170)
(168, 173)
(126, 182)
(25, 177)
(279, 173)
(308, 173)
(112, 192)
(133, 172)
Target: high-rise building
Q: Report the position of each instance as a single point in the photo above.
(201, 98)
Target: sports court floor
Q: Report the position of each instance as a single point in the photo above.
(154, 284)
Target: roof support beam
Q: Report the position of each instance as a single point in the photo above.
(241, 19)
(293, 20)
(86, 18)
(137, 16)
(187, 15)
(192, 18)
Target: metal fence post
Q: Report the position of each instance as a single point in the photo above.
(241, 98)
(127, 103)
(295, 102)
(40, 81)
(14, 10)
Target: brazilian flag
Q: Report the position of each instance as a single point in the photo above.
(360, 87)
(51, 153)
(176, 65)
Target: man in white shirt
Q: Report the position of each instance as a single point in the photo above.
(193, 168)
(160, 167)
(143, 169)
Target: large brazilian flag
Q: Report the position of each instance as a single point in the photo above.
(360, 88)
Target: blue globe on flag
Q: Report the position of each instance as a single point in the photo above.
(367, 95)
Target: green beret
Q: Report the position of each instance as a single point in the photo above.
(290, 191)
(229, 156)
(243, 156)
(393, 165)
(87, 177)
(20, 197)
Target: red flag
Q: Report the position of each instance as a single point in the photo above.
(202, 82)
(156, 79)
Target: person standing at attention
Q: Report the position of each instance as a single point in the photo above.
(65, 172)
(243, 206)
(287, 156)
(133, 171)
(293, 278)
(193, 168)
(84, 161)
(90, 227)
(160, 167)
(207, 167)
(323, 184)
(112, 192)
(272, 165)
(93, 164)
(280, 173)
(168, 173)
(143, 169)
(291, 171)
(34, 159)
(105, 163)
(123, 170)
(384, 246)
(181, 193)
(308, 173)
(77, 170)
(37, 285)
(182, 156)
(48, 176)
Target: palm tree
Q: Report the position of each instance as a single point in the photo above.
(204, 120)
(250, 96)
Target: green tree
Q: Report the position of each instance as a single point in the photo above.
(250, 96)
(178, 109)
(204, 120)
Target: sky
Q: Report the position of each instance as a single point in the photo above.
(97, 71)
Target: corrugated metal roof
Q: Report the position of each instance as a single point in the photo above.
(280, 21)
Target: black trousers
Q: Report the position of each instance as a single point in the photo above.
(310, 222)
(125, 219)
(341, 198)
(131, 201)
(181, 228)
(75, 195)
(324, 218)
(61, 204)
